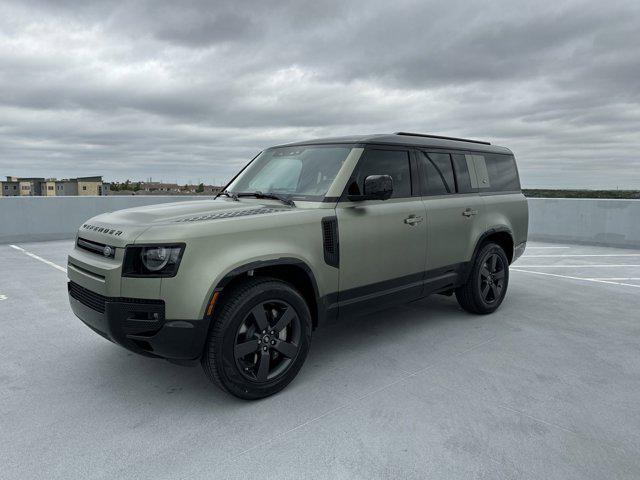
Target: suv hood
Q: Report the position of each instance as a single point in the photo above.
(122, 227)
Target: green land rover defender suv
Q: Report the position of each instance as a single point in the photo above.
(306, 232)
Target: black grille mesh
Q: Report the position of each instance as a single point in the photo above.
(91, 299)
(97, 302)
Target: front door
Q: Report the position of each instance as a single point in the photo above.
(382, 242)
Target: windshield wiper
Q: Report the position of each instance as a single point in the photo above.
(229, 194)
(274, 196)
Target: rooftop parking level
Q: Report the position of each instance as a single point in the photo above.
(546, 387)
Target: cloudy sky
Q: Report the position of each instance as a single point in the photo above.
(190, 90)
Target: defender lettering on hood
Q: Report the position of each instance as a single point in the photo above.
(107, 231)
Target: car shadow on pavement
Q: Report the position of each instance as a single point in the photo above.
(132, 378)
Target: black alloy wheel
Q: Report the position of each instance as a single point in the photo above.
(487, 281)
(258, 339)
(267, 341)
(491, 278)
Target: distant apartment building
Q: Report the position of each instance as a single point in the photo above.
(31, 186)
(51, 187)
(90, 186)
(20, 187)
(48, 187)
(66, 188)
(10, 188)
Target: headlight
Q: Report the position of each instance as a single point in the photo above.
(152, 260)
(157, 258)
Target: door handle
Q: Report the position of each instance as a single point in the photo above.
(468, 212)
(413, 220)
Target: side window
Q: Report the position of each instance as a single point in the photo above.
(480, 167)
(461, 168)
(384, 162)
(503, 175)
(437, 173)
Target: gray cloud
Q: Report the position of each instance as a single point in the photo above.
(191, 90)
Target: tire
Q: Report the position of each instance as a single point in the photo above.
(487, 283)
(260, 320)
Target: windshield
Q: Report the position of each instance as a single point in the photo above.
(304, 172)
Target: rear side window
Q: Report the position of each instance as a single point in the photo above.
(461, 168)
(437, 173)
(384, 162)
(503, 175)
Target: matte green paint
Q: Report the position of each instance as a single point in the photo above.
(376, 243)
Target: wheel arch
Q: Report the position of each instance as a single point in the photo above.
(288, 269)
(501, 235)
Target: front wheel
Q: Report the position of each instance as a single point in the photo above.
(487, 283)
(259, 339)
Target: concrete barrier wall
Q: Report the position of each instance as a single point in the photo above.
(32, 219)
(589, 221)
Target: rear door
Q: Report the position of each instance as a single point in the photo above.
(453, 206)
(382, 242)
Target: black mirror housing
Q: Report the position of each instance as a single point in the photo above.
(376, 187)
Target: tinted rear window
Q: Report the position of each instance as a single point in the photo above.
(437, 173)
(503, 175)
(462, 173)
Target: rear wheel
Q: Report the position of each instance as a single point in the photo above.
(259, 340)
(487, 283)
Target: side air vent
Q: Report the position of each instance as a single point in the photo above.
(330, 241)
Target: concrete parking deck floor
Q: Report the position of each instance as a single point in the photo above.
(547, 387)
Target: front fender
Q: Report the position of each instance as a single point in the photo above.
(209, 259)
(255, 263)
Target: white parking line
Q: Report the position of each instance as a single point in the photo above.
(3, 297)
(576, 278)
(616, 278)
(585, 255)
(577, 266)
(33, 255)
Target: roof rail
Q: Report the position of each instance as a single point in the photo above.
(408, 134)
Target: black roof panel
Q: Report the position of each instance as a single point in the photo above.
(416, 141)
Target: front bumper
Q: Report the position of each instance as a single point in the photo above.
(139, 324)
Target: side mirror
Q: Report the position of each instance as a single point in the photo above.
(376, 187)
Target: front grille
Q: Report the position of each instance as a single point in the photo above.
(98, 302)
(91, 299)
(95, 247)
